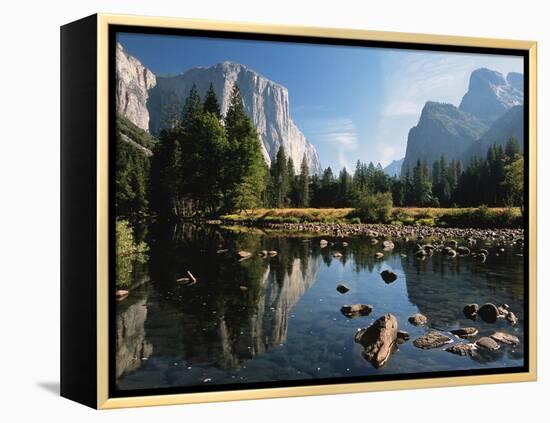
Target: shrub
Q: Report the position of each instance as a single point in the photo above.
(375, 208)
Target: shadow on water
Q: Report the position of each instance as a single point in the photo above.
(278, 317)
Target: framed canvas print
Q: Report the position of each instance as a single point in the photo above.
(254, 211)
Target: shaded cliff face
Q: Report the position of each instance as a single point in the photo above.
(442, 130)
(266, 102)
(133, 82)
(488, 113)
(490, 95)
(509, 125)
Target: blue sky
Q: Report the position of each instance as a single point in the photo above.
(350, 102)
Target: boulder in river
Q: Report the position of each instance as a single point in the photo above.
(467, 332)
(272, 253)
(379, 340)
(379, 255)
(323, 243)
(337, 254)
(356, 310)
(462, 349)
(342, 289)
(488, 312)
(463, 251)
(373, 241)
(505, 338)
(487, 344)
(418, 319)
(470, 311)
(431, 340)
(388, 276)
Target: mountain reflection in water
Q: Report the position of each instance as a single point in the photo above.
(278, 318)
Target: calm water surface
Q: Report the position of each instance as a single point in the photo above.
(287, 324)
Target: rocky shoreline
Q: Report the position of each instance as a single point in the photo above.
(378, 230)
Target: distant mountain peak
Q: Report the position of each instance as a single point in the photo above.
(394, 168)
(490, 95)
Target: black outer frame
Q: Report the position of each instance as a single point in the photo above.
(79, 120)
(114, 29)
(79, 211)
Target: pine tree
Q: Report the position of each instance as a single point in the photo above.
(303, 183)
(192, 107)
(211, 104)
(245, 176)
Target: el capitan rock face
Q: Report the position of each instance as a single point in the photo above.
(490, 95)
(133, 82)
(148, 100)
(265, 101)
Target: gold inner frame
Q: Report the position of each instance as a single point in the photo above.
(103, 400)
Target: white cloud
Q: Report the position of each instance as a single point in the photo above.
(414, 77)
(338, 134)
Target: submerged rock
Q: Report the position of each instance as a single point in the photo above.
(511, 317)
(388, 245)
(388, 276)
(487, 344)
(121, 294)
(465, 332)
(243, 255)
(342, 289)
(462, 349)
(505, 338)
(463, 251)
(432, 340)
(418, 319)
(488, 312)
(356, 310)
(379, 340)
(470, 311)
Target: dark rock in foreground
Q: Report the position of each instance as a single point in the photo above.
(356, 310)
(432, 340)
(342, 289)
(418, 319)
(488, 312)
(379, 340)
(388, 276)
(462, 349)
(470, 311)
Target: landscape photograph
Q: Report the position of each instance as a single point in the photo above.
(292, 213)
